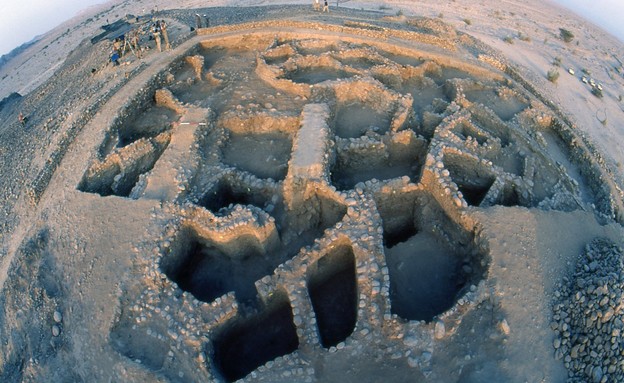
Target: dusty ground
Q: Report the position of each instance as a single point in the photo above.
(439, 188)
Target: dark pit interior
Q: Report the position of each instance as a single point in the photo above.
(249, 343)
(465, 130)
(425, 277)
(332, 286)
(397, 214)
(509, 196)
(223, 194)
(115, 178)
(472, 179)
(430, 258)
(208, 271)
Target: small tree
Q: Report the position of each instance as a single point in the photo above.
(566, 35)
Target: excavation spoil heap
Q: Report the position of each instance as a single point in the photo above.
(589, 317)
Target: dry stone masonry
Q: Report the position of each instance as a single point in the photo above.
(316, 198)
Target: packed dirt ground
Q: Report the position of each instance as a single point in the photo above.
(384, 192)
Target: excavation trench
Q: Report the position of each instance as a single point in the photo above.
(209, 270)
(403, 155)
(332, 287)
(355, 119)
(225, 193)
(429, 257)
(250, 342)
(263, 155)
(473, 180)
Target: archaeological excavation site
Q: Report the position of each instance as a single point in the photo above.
(298, 200)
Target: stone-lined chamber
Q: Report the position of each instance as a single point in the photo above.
(317, 200)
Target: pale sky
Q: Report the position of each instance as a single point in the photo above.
(21, 20)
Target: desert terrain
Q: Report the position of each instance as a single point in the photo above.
(390, 191)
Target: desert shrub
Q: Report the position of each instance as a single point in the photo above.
(553, 75)
(508, 40)
(566, 35)
(440, 15)
(557, 61)
(524, 37)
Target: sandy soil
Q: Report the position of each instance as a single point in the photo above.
(101, 219)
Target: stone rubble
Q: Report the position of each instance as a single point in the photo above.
(588, 316)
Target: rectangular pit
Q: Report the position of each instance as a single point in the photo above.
(332, 286)
(249, 343)
(263, 155)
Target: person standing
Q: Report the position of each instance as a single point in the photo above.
(317, 5)
(134, 43)
(22, 119)
(163, 30)
(156, 34)
(326, 7)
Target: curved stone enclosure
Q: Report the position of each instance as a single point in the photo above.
(316, 192)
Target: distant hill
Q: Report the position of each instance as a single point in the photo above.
(7, 57)
(9, 99)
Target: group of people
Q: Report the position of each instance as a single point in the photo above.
(159, 28)
(317, 6)
(132, 41)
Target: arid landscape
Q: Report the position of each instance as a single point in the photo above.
(385, 192)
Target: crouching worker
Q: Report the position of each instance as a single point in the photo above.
(114, 58)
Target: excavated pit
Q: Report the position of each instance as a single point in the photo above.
(120, 171)
(473, 180)
(154, 121)
(505, 107)
(263, 155)
(224, 194)
(209, 270)
(355, 119)
(430, 258)
(402, 156)
(250, 342)
(332, 287)
(281, 204)
(316, 75)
